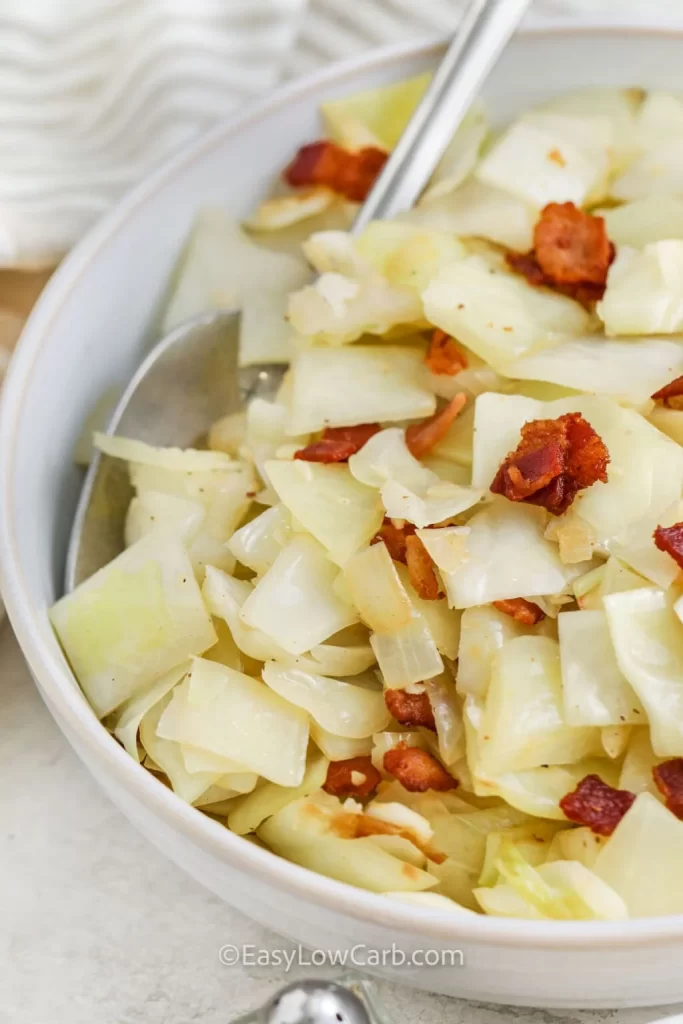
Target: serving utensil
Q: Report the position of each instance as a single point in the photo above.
(190, 378)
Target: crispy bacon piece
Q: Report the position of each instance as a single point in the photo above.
(571, 253)
(421, 570)
(395, 538)
(417, 770)
(670, 392)
(670, 540)
(553, 462)
(444, 355)
(571, 246)
(351, 174)
(596, 804)
(410, 709)
(340, 782)
(668, 778)
(337, 444)
(421, 437)
(520, 609)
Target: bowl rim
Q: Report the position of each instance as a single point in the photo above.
(57, 684)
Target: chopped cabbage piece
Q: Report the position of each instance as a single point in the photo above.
(538, 791)
(342, 514)
(636, 770)
(447, 546)
(168, 758)
(133, 621)
(669, 421)
(442, 622)
(250, 811)
(227, 434)
(294, 602)
(460, 156)
(498, 314)
(523, 725)
(626, 370)
(560, 890)
(224, 597)
(642, 859)
(618, 106)
(196, 760)
(384, 112)
(152, 510)
(442, 500)
(335, 659)
(134, 710)
(283, 211)
(429, 900)
(644, 221)
(645, 473)
(258, 543)
(266, 335)
(483, 631)
(408, 655)
(658, 172)
(615, 739)
(450, 731)
(544, 164)
(637, 548)
(644, 293)
(339, 748)
(294, 833)
(175, 460)
(594, 690)
(221, 264)
(386, 457)
(648, 642)
(476, 209)
(237, 717)
(361, 384)
(346, 709)
(376, 590)
(494, 570)
(579, 844)
(408, 255)
(533, 841)
(337, 309)
(456, 444)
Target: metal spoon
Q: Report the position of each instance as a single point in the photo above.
(190, 379)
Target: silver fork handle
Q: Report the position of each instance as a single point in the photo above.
(483, 33)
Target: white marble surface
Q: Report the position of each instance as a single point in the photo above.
(97, 928)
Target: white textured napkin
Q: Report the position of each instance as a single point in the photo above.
(94, 94)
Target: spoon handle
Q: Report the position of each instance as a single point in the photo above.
(483, 33)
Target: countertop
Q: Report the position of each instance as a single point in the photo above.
(96, 927)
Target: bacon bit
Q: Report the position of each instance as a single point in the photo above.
(339, 781)
(421, 570)
(521, 610)
(571, 246)
(416, 770)
(668, 778)
(553, 462)
(556, 157)
(596, 804)
(670, 540)
(395, 539)
(444, 356)
(571, 253)
(337, 444)
(669, 392)
(350, 174)
(421, 437)
(410, 709)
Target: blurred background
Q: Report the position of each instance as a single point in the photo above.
(94, 93)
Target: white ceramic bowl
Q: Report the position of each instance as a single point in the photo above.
(88, 331)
